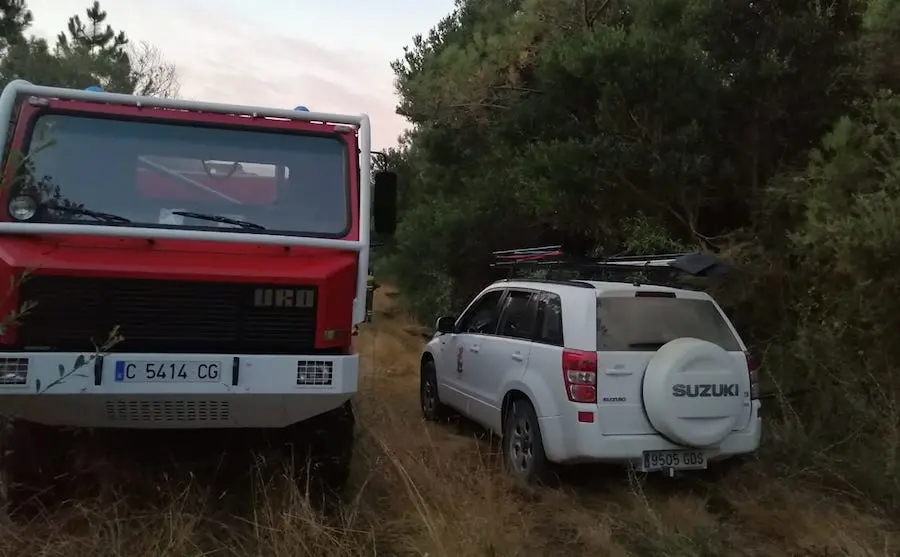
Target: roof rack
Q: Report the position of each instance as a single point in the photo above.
(663, 269)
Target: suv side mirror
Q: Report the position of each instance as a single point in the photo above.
(384, 202)
(445, 325)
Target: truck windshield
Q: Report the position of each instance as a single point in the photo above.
(158, 174)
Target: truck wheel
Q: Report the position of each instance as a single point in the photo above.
(35, 467)
(432, 408)
(523, 447)
(328, 449)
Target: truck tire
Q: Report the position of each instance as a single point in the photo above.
(326, 443)
(35, 468)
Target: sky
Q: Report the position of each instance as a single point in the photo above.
(329, 55)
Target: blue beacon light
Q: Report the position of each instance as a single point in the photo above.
(301, 108)
(94, 89)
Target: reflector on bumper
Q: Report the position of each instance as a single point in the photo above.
(13, 371)
(315, 373)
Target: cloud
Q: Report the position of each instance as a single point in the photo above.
(225, 55)
(226, 59)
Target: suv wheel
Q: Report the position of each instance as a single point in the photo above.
(523, 447)
(35, 468)
(432, 408)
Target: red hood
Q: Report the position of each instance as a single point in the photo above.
(171, 259)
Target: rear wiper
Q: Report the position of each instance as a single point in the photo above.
(647, 345)
(219, 218)
(97, 215)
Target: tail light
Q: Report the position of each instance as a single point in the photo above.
(580, 375)
(753, 372)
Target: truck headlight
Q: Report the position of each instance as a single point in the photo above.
(22, 207)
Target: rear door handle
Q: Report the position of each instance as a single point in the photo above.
(517, 356)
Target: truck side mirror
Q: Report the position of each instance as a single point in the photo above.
(384, 202)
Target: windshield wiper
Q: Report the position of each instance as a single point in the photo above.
(97, 215)
(646, 345)
(219, 218)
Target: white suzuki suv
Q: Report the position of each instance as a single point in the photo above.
(574, 371)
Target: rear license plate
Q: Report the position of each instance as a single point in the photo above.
(167, 372)
(675, 460)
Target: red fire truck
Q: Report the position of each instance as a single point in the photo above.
(180, 265)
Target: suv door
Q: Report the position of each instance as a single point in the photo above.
(460, 350)
(502, 357)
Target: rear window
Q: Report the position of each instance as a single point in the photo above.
(639, 324)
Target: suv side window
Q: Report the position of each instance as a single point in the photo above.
(518, 315)
(482, 317)
(549, 319)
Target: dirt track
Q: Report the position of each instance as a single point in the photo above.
(422, 489)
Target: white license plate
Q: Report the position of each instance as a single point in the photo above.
(132, 371)
(675, 460)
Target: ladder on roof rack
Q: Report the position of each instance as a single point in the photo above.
(657, 269)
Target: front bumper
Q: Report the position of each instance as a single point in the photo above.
(82, 390)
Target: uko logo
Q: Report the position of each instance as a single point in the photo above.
(706, 390)
(284, 298)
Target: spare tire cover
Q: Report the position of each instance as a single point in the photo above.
(694, 392)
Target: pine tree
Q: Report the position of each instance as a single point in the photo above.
(15, 18)
(92, 53)
(22, 56)
(89, 52)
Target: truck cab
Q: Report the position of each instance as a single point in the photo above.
(179, 264)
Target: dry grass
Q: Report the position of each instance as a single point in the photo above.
(421, 489)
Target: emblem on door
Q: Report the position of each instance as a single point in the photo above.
(459, 354)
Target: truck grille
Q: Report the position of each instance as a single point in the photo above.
(77, 313)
